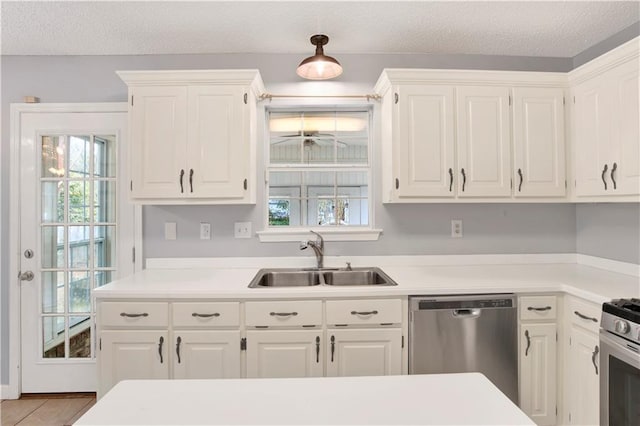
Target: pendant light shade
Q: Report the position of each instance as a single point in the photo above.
(319, 66)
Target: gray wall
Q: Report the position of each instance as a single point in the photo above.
(420, 229)
(611, 231)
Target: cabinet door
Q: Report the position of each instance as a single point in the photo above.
(218, 148)
(425, 141)
(364, 352)
(538, 141)
(206, 354)
(483, 141)
(286, 353)
(592, 121)
(626, 175)
(132, 354)
(538, 372)
(583, 381)
(158, 120)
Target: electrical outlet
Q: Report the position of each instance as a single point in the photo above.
(456, 228)
(205, 231)
(170, 230)
(242, 229)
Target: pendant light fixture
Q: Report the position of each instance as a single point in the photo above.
(319, 66)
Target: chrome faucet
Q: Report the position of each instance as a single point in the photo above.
(317, 246)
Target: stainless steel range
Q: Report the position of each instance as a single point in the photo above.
(620, 363)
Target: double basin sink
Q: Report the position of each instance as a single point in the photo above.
(295, 277)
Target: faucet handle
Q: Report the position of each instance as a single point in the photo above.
(348, 268)
(304, 245)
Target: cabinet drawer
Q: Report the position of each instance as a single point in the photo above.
(364, 311)
(585, 314)
(133, 314)
(284, 313)
(538, 307)
(206, 314)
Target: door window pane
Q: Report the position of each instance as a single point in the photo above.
(79, 156)
(79, 246)
(52, 292)
(79, 291)
(79, 193)
(53, 156)
(52, 205)
(80, 337)
(53, 344)
(52, 247)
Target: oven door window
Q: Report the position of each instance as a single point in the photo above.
(624, 393)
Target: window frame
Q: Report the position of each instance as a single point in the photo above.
(334, 232)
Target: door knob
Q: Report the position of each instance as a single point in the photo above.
(26, 276)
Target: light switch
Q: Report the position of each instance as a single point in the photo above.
(170, 230)
(242, 229)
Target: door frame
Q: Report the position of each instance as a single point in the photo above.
(14, 388)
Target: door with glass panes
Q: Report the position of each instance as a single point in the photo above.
(75, 223)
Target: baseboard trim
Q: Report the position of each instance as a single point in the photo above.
(609, 264)
(6, 393)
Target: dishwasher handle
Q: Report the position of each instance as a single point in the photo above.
(466, 313)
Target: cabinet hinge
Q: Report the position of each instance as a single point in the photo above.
(564, 102)
(403, 341)
(395, 98)
(131, 186)
(245, 98)
(133, 254)
(509, 100)
(565, 184)
(575, 183)
(569, 341)
(397, 183)
(574, 99)
(556, 336)
(511, 183)
(556, 410)
(100, 343)
(131, 100)
(243, 344)
(245, 184)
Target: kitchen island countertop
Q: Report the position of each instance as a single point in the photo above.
(437, 399)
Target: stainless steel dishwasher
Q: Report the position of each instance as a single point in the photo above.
(466, 333)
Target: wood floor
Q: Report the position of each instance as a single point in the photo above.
(45, 409)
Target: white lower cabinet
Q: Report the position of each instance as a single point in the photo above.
(538, 357)
(284, 353)
(364, 352)
(538, 372)
(132, 354)
(206, 354)
(582, 359)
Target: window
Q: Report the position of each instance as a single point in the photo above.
(318, 170)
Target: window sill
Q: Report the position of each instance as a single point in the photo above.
(303, 234)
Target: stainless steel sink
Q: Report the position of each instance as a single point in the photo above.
(295, 277)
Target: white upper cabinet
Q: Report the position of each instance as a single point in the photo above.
(447, 135)
(193, 136)
(425, 141)
(483, 142)
(158, 135)
(538, 142)
(606, 113)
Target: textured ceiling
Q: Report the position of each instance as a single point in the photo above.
(523, 28)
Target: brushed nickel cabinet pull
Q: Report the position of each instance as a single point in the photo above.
(178, 341)
(604, 171)
(464, 178)
(526, 334)
(584, 317)
(596, 351)
(124, 314)
(283, 314)
(533, 308)
(195, 314)
(521, 179)
(613, 178)
(181, 177)
(364, 313)
(450, 179)
(160, 343)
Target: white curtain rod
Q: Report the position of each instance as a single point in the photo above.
(270, 96)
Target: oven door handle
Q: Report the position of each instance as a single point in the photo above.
(624, 350)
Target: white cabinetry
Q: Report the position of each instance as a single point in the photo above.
(582, 396)
(193, 135)
(448, 135)
(205, 340)
(422, 124)
(364, 352)
(538, 357)
(483, 141)
(538, 142)
(607, 124)
(284, 353)
(133, 341)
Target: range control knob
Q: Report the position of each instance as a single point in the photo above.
(621, 326)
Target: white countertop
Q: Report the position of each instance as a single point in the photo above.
(596, 285)
(437, 399)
